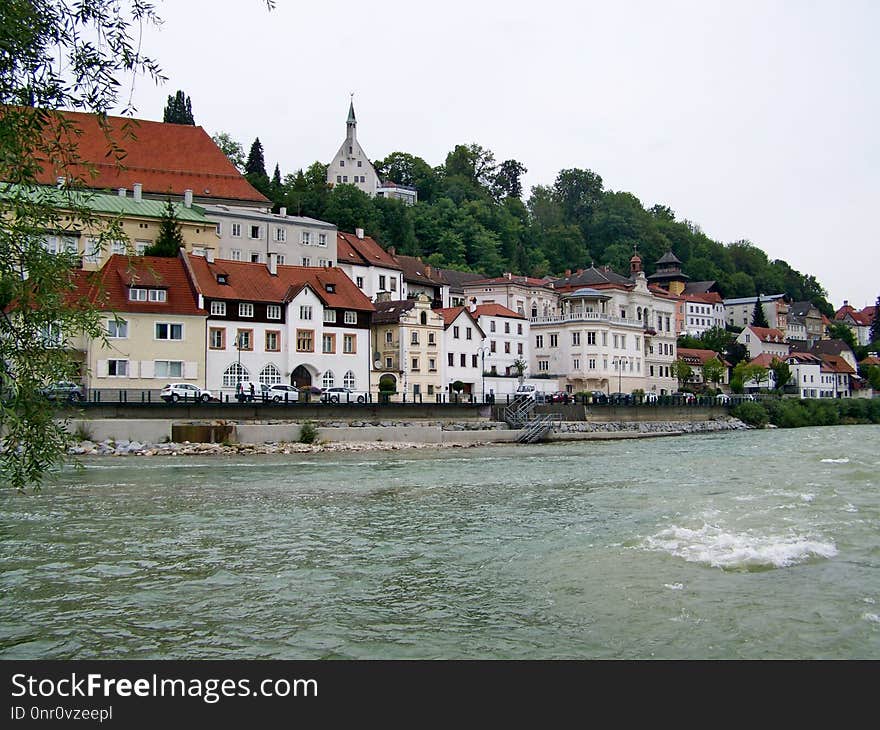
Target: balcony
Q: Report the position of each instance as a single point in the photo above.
(593, 318)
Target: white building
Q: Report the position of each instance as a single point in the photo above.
(615, 339)
(394, 191)
(507, 337)
(763, 340)
(462, 350)
(373, 270)
(250, 234)
(282, 324)
(702, 312)
(524, 295)
(351, 166)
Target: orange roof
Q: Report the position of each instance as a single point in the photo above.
(512, 279)
(694, 356)
(837, 364)
(252, 282)
(362, 251)
(705, 297)
(109, 287)
(870, 360)
(450, 314)
(496, 310)
(164, 158)
(765, 360)
(768, 334)
(805, 357)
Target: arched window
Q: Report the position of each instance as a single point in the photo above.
(424, 318)
(235, 374)
(328, 379)
(639, 313)
(348, 381)
(270, 375)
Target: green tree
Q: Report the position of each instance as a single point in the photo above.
(875, 324)
(781, 373)
(759, 319)
(255, 169)
(713, 371)
(178, 110)
(350, 208)
(682, 372)
(50, 62)
(507, 182)
(170, 239)
(232, 149)
(839, 331)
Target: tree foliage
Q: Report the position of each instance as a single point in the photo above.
(759, 319)
(170, 239)
(682, 372)
(232, 149)
(178, 110)
(781, 373)
(875, 324)
(57, 54)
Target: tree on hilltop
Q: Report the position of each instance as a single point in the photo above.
(178, 110)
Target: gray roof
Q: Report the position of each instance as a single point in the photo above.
(831, 347)
(752, 300)
(802, 309)
(591, 276)
(700, 287)
(390, 312)
(668, 258)
(588, 292)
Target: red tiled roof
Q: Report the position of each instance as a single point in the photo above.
(162, 157)
(768, 334)
(108, 288)
(450, 314)
(705, 297)
(362, 251)
(870, 360)
(837, 364)
(513, 279)
(805, 357)
(495, 310)
(251, 282)
(693, 356)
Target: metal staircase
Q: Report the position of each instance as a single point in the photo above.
(539, 427)
(520, 414)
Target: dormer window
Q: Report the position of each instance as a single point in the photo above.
(139, 294)
(222, 278)
(331, 288)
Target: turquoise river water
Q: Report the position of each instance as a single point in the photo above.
(757, 544)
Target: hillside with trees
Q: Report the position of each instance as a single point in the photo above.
(472, 215)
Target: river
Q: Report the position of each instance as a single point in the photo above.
(756, 544)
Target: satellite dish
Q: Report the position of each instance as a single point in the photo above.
(377, 364)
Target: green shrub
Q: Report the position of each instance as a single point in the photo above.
(751, 413)
(308, 434)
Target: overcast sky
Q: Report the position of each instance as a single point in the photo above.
(755, 120)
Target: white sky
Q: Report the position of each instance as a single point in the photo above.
(755, 120)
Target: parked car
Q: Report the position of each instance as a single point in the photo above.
(64, 391)
(722, 399)
(559, 397)
(281, 393)
(174, 392)
(650, 397)
(597, 396)
(620, 399)
(343, 395)
(525, 391)
(686, 397)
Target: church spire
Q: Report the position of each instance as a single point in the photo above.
(351, 119)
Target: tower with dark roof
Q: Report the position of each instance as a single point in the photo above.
(668, 274)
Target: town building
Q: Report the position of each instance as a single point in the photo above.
(306, 326)
(373, 270)
(407, 345)
(697, 358)
(394, 191)
(507, 338)
(525, 295)
(251, 234)
(806, 376)
(837, 348)
(351, 165)
(422, 278)
(611, 334)
(463, 351)
(739, 311)
(808, 314)
(859, 321)
(119, 224)
(761, 340)
(154, 324)
(702, 312)
(668, 274)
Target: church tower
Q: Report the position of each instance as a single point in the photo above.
(351, 166)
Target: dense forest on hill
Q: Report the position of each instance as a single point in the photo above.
(471, 215)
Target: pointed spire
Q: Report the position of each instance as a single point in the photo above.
(351, 118)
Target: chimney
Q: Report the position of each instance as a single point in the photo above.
(121, 192)
(209, 255)
(282, 211)
(60, 181)
(187, 198)
(428, 270)
(359, 232)
(392, 250)
(472, 307)
(136, 191)
(508, 275)
(568, 272)
(845, 303)
(273, 264)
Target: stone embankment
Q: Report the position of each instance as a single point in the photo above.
(403, 435)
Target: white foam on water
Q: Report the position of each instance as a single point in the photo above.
(850, 508)
(674, 586)
(712, 545)
(808, 497)
(835, 461)
(870, 600)
(872, 617)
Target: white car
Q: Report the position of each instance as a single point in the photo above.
(174, 392)
(343, 395)
(650, 397)
(722, 398)
(283, 393)
(525, 391)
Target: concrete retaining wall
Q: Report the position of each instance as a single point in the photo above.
(147, 430)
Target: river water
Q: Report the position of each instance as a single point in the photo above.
(757, 544)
